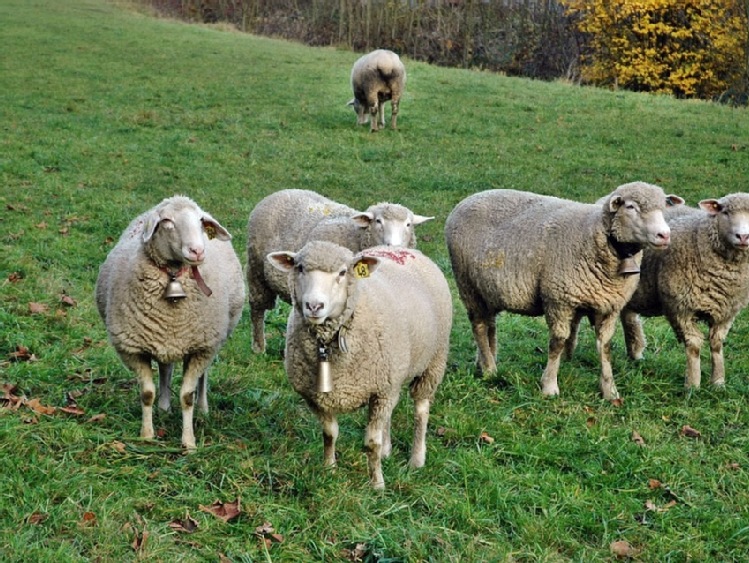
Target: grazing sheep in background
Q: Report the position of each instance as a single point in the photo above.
(377, 77)
(381, 319)
(176, 241)
(703, 276)
(286, 219)
(538, 255)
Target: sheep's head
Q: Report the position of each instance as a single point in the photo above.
(361, 110)
(634, 213)
(177, 231)
(731, 214)
(323, 278)
(389, 224)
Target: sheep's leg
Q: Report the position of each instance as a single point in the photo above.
(571, 344)
(165, 384)
(421, 419)
(381, 114)
(329, 436)
(380, 410)
(374, 112)
(394, 105)
(483, 330)
(718, 333)
(203, 393)
(559, 323)
(261, 300)
(491, 335)
(141, 365)
(692, 337)
(634, 336)
(605, 328)
(194, 367)
(387, 442)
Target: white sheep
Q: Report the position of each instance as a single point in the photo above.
(286, 219)
(703, 276)
(538, 255)
(372, 322)
(377, 77)
(175, 242)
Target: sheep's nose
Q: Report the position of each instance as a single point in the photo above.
(665, 237)
(198, 253)
(743, 239)
(313, 306)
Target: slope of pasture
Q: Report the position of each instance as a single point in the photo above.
(106, 110)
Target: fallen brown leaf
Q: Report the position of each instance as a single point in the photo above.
(223, 511)
(650, 505)
(88, 520)
(637, 439)
(97, 418)
(734, 466)
(74, 410)
(486, 438)
(36, 518)
(654, 484)
(36, 406)
(590, 422)
(22, 354)
(623, 550)
(14, 277)
(690, 432)
(617, 402)
(119, 446)
(67, 300)
(37, 308)
(186, 525)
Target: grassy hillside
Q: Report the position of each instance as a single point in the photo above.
(105, 111)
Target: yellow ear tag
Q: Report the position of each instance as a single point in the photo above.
(210, 231)
(361, 270)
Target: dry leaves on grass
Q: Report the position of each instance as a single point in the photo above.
(485, 438)
(267, 534)
(22, 354)
(223, 511)
(623, 550)
(38, 308)
(690, 432)
(36, 518)
(186, 525)
(637, 439)
(356, 553)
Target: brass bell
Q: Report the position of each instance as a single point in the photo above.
(628, 266)
(174, 291)
(324, 377)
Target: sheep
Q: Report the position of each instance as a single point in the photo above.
(377, 77)
(538, 255)
(703, 276)
(286, 219)
(366, 324)
(177, 245)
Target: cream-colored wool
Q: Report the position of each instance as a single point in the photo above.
(537, 255)
(703, 275)
(386, 330)
(377, 77)
(143, 326)
(286, 219)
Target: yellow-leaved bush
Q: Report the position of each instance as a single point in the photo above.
(688, 48)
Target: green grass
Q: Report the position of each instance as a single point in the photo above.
(105, 111)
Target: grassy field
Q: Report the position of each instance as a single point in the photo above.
(105, 111)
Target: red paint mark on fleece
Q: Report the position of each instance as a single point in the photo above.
(399, 256)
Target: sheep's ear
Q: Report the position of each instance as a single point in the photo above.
(419, 219)
(363, 219)
(615, 203)
(365, 266)
(674, 200)
(152, 222)
(351, 102)
(712, 206)
(283, 261)
(214, 229)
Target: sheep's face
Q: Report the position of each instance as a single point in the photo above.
(361, 110)
(732, 216)
(391, 224)
(636, 212)
(179, 231)
(322, 276)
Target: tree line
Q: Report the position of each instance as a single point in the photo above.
(687, 48)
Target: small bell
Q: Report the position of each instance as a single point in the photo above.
(174, 291)
(628, 266)
(324, 377)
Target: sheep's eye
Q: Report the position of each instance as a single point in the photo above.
(378, 221)
(408, 225)
(342, 274)
(300, 268)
